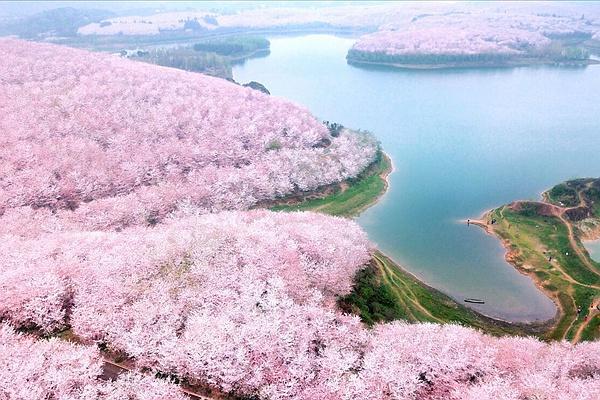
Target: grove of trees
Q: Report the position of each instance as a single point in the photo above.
(101, 142)
(484, 38)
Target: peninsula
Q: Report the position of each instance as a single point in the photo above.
(544, 240)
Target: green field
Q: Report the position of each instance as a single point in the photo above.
(544, 241)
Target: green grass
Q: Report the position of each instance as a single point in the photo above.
(563, 194)
(361, 192)
(535, 237)
(384, 292)
(372, 299)
(592, 331)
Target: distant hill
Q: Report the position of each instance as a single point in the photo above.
(57, 22)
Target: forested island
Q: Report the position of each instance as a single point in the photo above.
(556, 54)
(476, 40)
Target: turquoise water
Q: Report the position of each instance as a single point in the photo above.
(593, 247)
(462, 142)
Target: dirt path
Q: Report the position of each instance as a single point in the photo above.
(560, 213)
(573, 242)
(573, 322)
(111, 370)
(571, 279)
(590, 318)
(409, 293)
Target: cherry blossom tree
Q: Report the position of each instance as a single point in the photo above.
(468, 36)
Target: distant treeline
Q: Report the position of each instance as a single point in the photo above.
(233, 46)
(555, 52)
(188, 59)
(425, 58)
(211, 56)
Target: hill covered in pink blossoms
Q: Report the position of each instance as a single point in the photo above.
(114, 180)
(474, 37)
(105, 142)
(245, 302)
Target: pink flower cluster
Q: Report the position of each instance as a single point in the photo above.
(245, 302)
(101, 142)
(469, 33)
(55, 369)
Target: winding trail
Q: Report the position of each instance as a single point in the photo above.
(573, 242)
(593, 314)
(408, 293)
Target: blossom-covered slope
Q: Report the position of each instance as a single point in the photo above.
(479, 36)
(109, 170)
(245, 302)
(104, 142)
(54, 369)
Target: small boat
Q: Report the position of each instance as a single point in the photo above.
(476, 301)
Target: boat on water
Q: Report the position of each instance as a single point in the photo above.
(476, 301)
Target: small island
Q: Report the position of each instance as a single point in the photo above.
(476, 40)
(544, 240)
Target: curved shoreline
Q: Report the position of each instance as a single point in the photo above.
(420, 301)
(510, 256)
(384, 176)
(542, 240)
(475, 65)
(347, 198)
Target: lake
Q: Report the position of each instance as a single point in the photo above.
(593, 248)
(462, 142)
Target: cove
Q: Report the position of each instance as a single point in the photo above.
(462, 142)
(593, 248)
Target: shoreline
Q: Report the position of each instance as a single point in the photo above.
(510, 256)
(474, 65)
(384, 176)
(348, 198)
(422, 302)
(528, 328)
(543, 240)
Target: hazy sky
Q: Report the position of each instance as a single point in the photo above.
(23, 8)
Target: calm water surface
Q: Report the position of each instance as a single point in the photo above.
(593, 247)
(462, 142)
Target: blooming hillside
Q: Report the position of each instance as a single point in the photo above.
(53, 369)
(367, 16)
(356, 16)
(244, 302)
(471, 34)
(104, 142)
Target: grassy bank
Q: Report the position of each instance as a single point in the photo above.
(543, 241)
(349, 198)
